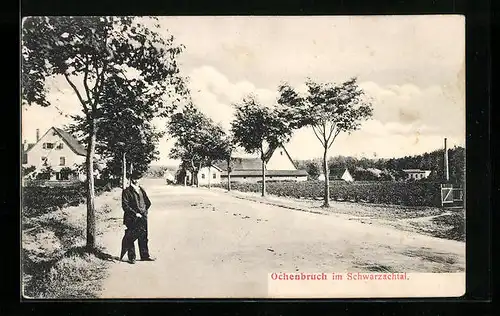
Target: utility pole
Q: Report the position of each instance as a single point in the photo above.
(446, 166)
(124, 171)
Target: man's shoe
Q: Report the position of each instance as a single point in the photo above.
(148, 259)
(131, 261)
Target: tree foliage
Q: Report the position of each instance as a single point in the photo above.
(260, 129)
(199, 141)
(329, 109)
(91, 53)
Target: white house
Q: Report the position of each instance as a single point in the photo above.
(346, 176)
(57, 149)
(279, 167)
(416, 174)
(207, 175)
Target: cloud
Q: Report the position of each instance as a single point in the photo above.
(214, 93)
(439, 107)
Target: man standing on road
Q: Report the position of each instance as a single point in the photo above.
(135, 204)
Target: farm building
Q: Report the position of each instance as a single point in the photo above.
(416, 174)
(59, 150)
(279, 167)
(338, 174)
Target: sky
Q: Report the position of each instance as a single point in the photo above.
(411, 67)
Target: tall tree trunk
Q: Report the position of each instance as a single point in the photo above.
(185, 179)
(263, 177)
(90, 188)
(209, 176)
(229, 175)
(326, 202)
(197, 175)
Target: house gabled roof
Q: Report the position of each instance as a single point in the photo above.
(252, 163)
(338, 172)
(70, 141)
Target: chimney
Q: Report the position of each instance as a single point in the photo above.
(446, 168)
(25, 146)
(37, 134)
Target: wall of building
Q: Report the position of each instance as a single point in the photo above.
(206, 176)
(280, 161)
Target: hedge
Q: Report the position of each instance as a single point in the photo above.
(380, 192)
(38, 200)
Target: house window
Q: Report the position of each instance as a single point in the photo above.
(48, 145)
(62, 161)
(214, 176)
(44, 160)
(203, 176)
(59, 146)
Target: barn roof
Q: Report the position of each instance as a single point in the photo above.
(269, 173)
(238, 163)
(241, 164)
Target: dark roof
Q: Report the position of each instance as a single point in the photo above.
(241, 164)
(251, 163)
(269, 173)
(72, 142)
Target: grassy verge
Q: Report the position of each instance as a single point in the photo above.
(54, 261)
(453, 225)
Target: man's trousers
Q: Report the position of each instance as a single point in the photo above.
(138, 230)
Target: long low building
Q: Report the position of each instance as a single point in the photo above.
(279, 167)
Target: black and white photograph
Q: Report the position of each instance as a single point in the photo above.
(242, 157)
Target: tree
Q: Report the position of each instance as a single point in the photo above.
(213, 147)
(260, 129)
(87, 52)
(199, 141)
(188, 127)
(329, 109)
(227, 148)
(313, 170)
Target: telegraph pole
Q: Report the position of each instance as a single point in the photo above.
(124, 171)
(446, 166)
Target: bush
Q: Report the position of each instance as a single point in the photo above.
(38, 200)
(386, 192)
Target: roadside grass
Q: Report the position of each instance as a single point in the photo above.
(453, 225)
(55, 262)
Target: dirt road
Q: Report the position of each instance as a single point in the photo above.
(210, 244)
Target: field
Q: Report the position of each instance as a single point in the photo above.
(394, 193)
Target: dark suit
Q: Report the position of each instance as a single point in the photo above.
(137, 228)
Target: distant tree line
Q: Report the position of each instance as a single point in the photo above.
(392, 168)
